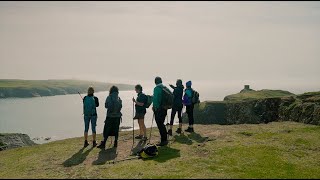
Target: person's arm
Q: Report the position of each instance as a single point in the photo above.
(96, 101)
(172, 87)
(107, 105)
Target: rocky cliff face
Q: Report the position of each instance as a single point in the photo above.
(302, 108)
(9, 141)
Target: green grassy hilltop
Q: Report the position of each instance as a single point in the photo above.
(274, 150)
(34, 88)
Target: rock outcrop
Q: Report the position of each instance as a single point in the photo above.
(9, 141)
(303, 108)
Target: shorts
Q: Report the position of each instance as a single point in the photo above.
(139, 116)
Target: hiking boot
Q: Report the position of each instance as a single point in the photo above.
(163, 143)
(94, 143)
(139, 137)
(86, 144)
(102, 145)
(170, 132)
(179, 131)
(190, 130)
(144, 138)
(115, 144)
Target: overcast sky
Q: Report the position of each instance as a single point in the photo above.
(230, 42)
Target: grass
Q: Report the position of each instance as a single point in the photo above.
(252, 95)
(274, 150)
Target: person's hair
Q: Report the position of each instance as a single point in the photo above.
(90, 90)
(179, 82)
(138, 87)
(158, 80)
(113, 89)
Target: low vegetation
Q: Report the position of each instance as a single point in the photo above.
(273, 150)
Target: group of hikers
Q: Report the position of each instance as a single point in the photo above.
(162, 100)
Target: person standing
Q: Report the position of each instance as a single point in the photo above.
(90, 104)
(187, 101)
(113, 105)
(140, 112)
(177, 105)
(160, 112)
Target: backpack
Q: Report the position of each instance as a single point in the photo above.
(149, 151)
(89, 106)
(195, 97)
(117, 106)
(167, 98)
(149, 101)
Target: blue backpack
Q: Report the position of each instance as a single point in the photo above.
(89, 106)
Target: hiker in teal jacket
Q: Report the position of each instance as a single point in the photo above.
(90, 102)
(159, 112)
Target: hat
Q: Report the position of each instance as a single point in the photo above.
(188, 84)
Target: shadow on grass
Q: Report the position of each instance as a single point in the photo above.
(165, 153)
(138, 147)
(197, 137)
(105, 155)
(182, 139)
(77, 158)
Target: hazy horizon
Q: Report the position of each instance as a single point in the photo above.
(224, 44)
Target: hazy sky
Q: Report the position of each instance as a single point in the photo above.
(230, 42)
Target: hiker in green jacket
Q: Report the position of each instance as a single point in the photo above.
(160, 112)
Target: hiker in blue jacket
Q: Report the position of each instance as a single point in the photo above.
(177, 105)
(187, 101)
(90, 102)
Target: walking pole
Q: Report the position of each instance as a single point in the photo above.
(132, 125)
(151, 128)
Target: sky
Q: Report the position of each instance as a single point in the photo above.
(225, 44)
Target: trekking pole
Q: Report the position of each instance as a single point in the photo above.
(80, 95)
(151, 128)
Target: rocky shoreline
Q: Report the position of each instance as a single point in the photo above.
(14, 140)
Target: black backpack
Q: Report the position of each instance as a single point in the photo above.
(149, 101)
(195, 97)
(149, 151)
(167, 98)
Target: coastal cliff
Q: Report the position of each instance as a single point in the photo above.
(38, 88)
(253, 107)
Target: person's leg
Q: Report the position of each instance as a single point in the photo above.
(160, 123)
(173, 114)
(180, 120)
(86, 127)
(93, 127)
(140, 126)
(143, 127)
(191, 122)
(116, 136)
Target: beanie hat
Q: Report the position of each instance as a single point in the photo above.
(188, 84)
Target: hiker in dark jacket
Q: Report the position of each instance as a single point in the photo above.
(159, 112)
(113, 105)
(90, 102)
(140, 112)
(187, 101)
(177, 105)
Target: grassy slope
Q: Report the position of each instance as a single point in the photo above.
(250, 95)
(275, 150)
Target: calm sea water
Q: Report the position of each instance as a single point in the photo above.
(60, 117)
